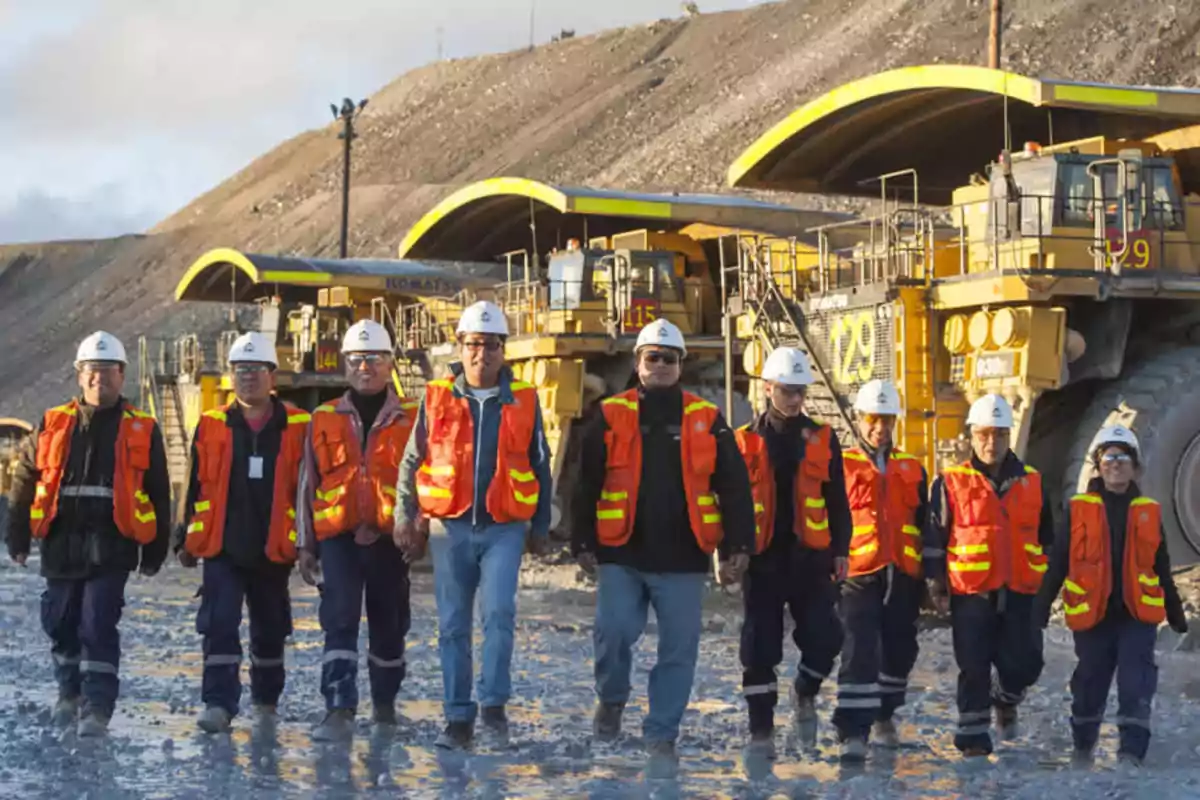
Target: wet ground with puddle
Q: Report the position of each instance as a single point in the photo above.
(154, 750)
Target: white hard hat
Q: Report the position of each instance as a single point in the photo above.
(253, 347)
(788, 366)
(990, 411)
(367, 336)
(878, 397)
(483, 317)
(661, 333)
(1115, 434)
(100, 346)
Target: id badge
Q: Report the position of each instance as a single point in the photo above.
(256, 467)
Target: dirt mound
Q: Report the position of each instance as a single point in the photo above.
(661, 106)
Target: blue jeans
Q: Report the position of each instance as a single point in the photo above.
(622, 600)
(466, 559)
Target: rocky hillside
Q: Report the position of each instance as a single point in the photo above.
(666, 105)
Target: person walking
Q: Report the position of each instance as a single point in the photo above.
(1110, 561)
(478, 462)
(91, 486)
(662, 487)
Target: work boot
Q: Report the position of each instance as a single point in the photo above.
(94, 723)
(214, 719)
(661, 749)
(853, 750)
(383, 716)
(338, 726)
(762, 742)
(456, 736)
(495, 725)
(606, 725)
(1128, 760)
(65, 711)
(1006, 722)
(976, 751)
(885, 734)
(1082, 757)
(806, 720)
(264, 712)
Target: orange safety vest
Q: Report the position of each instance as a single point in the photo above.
(884, 510)
(812, 518)
(446, 479)
(994, 541)
(1089, 577)
(214, 450)
(698, 454)
(133, 512)
(350, 492)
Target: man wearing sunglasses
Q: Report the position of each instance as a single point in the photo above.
(478, 462)
(803, 526)
(881, 597)
(346, 499)
(240, 518)
(91, 487)
(661, 488)
(1111, 562)
(989, 524)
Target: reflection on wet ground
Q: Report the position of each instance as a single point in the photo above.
(155, 751)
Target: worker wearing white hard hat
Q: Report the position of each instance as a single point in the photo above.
(92, 488)
(661, 490)
(239, 519)
(986, 550)
(881, 598)
(479, 463)
(346, 501)
(803, 526)
(1113, 603)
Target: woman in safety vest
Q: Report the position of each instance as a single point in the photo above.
(880, 600)
(1110, 560)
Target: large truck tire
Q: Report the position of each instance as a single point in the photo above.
(1159, 400)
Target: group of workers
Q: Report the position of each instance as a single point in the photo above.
(848, 541)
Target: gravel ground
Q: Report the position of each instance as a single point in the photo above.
(154, 750)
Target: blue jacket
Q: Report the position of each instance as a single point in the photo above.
(485, 418)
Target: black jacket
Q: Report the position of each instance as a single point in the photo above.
(1116, 508)
(662, 539)
(83, 538)
(248, 507)
(784, 437)
(937, 529)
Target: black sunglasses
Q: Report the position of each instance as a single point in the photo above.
(670, 359)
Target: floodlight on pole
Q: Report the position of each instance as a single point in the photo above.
(347, 113)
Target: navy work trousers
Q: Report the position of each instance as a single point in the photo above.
(992, 631)
(351, 571)
(81, 616)
(1126, 647)
(879, 616)
(801, 580)
(264, 591)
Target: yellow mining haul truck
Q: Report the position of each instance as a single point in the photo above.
(12, 433)
(305, 304)
(1036, 238)
(588, 269)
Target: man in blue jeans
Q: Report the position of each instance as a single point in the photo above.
(477, 461)
(662, 486)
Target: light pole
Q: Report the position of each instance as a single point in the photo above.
(347, 114)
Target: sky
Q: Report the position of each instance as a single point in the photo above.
(118, 112)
